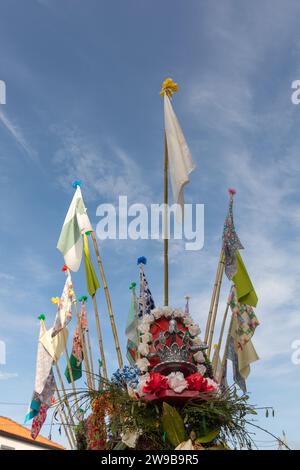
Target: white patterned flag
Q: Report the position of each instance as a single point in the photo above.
(44, 385)
(75, 225)
(64, 307)
(179, 156)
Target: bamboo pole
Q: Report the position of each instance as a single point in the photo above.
(69, 365)
(219, 344)
(108, 301)
(82, 341)
(100, 337)
(66, 401)
(90, 352)
(64, 420)
(215, 312)
(226, 349)
(81, 336)
(208, 323)
(165, 225)
(142, 288)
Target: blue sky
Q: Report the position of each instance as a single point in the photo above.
(83, 81)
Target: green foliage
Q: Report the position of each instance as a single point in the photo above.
(173, 425)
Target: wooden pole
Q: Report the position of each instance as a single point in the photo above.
(165, 225)
(208, 323)
(66, 401)
(218, 346)
(100, 337)
(64, 419)
(108, 301)
(90, 353)
(215, 312)
(226, 349)
(81, 336)
(82, 341)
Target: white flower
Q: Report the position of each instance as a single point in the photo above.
(212, 383)
(146, 338)
(177, 382)
(144, 327)
(130, 438)
(178, 313)
(142, 382)
(167, 312)
(194, 330)
(197, 341)
(157, 313)
(143, 364)
(143, 349)
(201, 369)
(148, 319)
(187, 321)
(199, 357)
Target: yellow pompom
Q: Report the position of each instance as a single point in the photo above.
(55, 300)
(169, 87)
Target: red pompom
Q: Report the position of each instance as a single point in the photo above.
(232, 191)
(64, 268)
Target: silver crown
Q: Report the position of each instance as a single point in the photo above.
(174, 358)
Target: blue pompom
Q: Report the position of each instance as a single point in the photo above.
(142, 260)
(76, 183)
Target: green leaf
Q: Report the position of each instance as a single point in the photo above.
(210, 436)
(173, 425)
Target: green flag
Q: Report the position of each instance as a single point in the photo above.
(244, 287)
(76, 370)
(91, 278)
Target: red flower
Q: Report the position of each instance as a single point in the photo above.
(199, 383)
(156, 383)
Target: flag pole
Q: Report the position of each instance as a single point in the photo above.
(216, 305)
(68, 431)
(219, 344)
(165, 225)
(99, 336)
(66, 401)
(108, 301)
(226, 348)
(211, 307)
(87, 334)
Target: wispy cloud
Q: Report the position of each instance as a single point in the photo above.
(18, 136)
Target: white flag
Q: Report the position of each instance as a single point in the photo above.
(75, 225)
(179, 156)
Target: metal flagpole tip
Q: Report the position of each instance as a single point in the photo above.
(132, 285)
(76, 183)
(142, 260)
(41, 317)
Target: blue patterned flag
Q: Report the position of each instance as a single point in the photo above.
(146, 302)
(231, 241)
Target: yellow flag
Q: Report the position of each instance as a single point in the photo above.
(244, 287)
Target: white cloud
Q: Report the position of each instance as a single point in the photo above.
(18, 136)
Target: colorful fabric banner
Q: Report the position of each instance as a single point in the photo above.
(75, 225)
(231, 242)
(246, 320)
(44, 385)
(131, 330)
(64, 307)
(55, 345)
(39, 420)
(76, 356)
(91, 278)
(179, 156)
(244, 287)
(146, 302)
